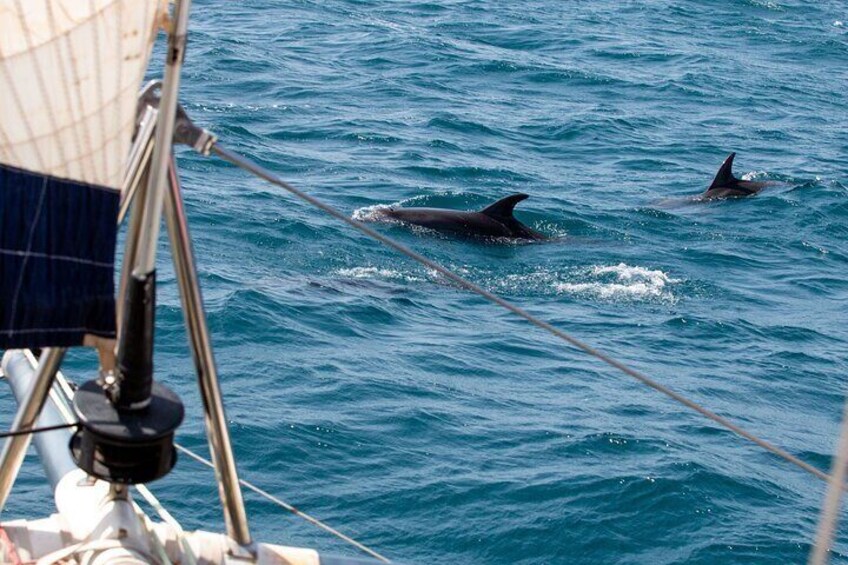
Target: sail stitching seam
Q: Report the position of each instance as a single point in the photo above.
(58, 53)
(19, 107)
(39, 255)
(36, 217)
(52, 330)
(42, 86)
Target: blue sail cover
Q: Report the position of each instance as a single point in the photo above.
(57, 254)
(68, 95)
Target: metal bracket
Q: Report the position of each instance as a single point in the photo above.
(149, 96)
(185, 130)
(187, 133)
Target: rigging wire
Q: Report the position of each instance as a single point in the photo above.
(250, 166)
(14, 433)
(67, 388)
(287, 506)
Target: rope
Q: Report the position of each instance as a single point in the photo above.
(188, 553)
(67, 391)
(14, 433)
(147, 526)
(289, 507)
(257, 170)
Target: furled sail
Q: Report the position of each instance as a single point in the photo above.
(70, 71)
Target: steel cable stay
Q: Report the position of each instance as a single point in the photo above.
(67, 388)
(213, 146)
(285, 505)
(31, 431)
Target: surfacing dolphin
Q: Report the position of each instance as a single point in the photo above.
(725, 185)
(495, 220)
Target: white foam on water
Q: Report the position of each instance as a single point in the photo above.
(540, 280)
(376, 273)
(769, 4)
(370, 213)
(604, 282)
(612, 291)
(755, 175)
(622, 281)
(625, 272)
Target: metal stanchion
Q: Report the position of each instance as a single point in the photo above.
(204, 362)
(15, 447)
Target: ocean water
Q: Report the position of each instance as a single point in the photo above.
(435, 427)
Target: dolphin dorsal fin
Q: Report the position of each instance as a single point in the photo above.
(502, 209)
(725, 177)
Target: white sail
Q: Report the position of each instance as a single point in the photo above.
(70, 71)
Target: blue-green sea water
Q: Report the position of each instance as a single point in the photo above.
(438, 428)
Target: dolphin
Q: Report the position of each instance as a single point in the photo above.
(725, 185)
(495, 220)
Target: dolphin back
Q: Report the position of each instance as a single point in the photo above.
(501, 212)
(725, 177)
(502, 209)
(495, 220)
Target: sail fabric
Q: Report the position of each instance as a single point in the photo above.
(57, 253)
(70, 72)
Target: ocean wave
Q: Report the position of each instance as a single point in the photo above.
(377, 273)
(620, 282)
(623, 282)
